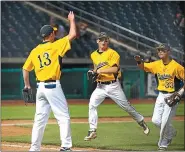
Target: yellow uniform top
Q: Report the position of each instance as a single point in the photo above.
(168, 76)
(44, 59)
(111, 58)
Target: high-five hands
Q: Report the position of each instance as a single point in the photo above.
(137, 57)
(71, 16)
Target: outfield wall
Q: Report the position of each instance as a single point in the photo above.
(74, 83)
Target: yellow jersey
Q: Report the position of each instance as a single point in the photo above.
(168, 76)
(44, 59)
(111, 58)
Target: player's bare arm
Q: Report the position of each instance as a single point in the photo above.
(94, 67)
(110, 70)
(26, 79)
(138, 59)
(72, 31)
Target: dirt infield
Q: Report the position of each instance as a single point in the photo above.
(7, 146)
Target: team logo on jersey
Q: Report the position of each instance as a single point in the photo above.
(101, 64)
(163, 76)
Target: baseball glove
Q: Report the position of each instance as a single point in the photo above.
(173, 99)
(92, 74)
(27, 95)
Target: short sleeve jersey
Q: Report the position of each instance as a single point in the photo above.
(44, 59)
(168, 76)
(111, 58)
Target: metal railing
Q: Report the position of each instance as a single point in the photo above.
(121, 36)
(177, 54)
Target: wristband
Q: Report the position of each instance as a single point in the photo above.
(181, 91)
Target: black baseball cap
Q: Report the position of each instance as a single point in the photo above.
(46, 30)
(103, 35)
(163, 46)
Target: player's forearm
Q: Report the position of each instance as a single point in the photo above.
(139, 61)
(72, 31)
(108, 70)
(141, 65)
(26, 78)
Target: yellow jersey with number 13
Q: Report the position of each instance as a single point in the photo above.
(44, 59)
(168, 76)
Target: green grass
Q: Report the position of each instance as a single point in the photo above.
(80, 111)
(123, 136)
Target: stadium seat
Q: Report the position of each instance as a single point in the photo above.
(21, 23)
(155, 18)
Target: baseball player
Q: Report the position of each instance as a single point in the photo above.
(44, 60)
(168, 74)
(108, 85)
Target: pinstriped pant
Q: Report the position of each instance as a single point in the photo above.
(115, 92)
(162, 118)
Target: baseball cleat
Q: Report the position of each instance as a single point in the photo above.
(162, 149)
(145, 127)
(146, 131)
(65, 149)
(91, 135)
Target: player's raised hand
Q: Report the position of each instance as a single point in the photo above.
(71, 16)
(137, 57)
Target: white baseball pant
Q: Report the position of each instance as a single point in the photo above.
(48, 99)
(162, 118)
(115, 92)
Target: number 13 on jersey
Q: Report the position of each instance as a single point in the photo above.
(44, 60)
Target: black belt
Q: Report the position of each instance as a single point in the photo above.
(46, 81)
(106, 82)
(166, 92)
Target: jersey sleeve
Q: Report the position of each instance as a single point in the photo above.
(28, 65)
(92, 57)
(149, 67)
(180, 72)
(115, 59)
(62, 45)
